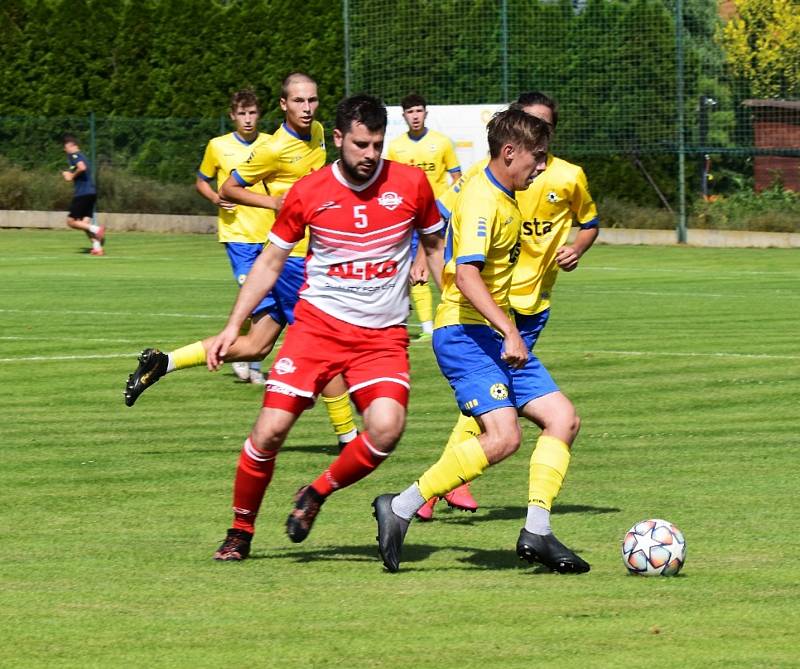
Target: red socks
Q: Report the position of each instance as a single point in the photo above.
(253, 475)
(356, 460)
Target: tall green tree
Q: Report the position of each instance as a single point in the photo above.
(762, 46)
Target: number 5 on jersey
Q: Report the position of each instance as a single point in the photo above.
(361, 221)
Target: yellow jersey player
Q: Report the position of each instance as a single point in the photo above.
(242, 229)
(556, 200)
(434, 154)
(294, 150)
(476, 343)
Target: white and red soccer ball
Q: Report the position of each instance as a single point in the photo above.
(654, 547)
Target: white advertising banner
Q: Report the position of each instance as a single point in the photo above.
(464, 124)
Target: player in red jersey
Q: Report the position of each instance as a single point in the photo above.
(350, 318)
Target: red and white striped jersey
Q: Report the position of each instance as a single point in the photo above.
(359, 252)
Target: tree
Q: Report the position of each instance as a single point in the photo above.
(762, 46)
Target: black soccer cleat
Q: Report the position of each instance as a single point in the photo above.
(236, 546)
(307, 503)
(152, 366)
(391, 531)
(549, 551)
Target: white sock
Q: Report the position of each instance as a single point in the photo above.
(427, 327)
(347, 438)
(408, 502)
(96, 244)
(255, 366)
(170, 364)
(94, 229)
(538, 520)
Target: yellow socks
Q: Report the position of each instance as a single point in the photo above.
(549, 464)
(192, 355)
(423, 302)
(341, 416)
(459, 464)
(465, 428)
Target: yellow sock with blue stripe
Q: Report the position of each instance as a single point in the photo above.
(340, 413)
(549, 464)
(459, 464)
(193, 355)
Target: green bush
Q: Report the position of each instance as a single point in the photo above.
(773, 210)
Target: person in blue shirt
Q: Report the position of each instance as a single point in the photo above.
(81, 209)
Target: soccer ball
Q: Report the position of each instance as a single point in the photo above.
(654, 547)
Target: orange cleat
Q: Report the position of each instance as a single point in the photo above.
(461, 498)
(426, 512)
(97, 252)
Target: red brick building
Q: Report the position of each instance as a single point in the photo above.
(776, 125)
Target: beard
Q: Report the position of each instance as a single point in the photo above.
(351, 172)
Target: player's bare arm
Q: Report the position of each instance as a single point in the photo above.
(233, 191)
(260, 280)
(419, 268)
(204, 188)
(69, 175)
(471, 285)
(433, 247)
(567, 257)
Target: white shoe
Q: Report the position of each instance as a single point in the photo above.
(257, 377)
(242, 370)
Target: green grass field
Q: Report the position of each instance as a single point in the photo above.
(684, 364)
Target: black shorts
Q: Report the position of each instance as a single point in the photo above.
(82, 206)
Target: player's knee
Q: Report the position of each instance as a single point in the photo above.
(269, 436)
(385, 432)
(503, 442)
(71, 222)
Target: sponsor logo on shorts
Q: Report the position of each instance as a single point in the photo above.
(284, 366)
(390, 200)
(499, 391)
(471, 404)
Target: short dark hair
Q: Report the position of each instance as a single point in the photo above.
(294, 78)
(413, 100)
(67, 138)
(514, 126)
(244, 98)
(361, 108)
(537, 98)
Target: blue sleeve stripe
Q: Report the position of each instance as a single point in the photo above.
(239, 179)
(473, 258)
(203, 176)
(457, 168)
(444, 211)
(594, 223)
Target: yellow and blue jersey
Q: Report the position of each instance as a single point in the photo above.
(484, 228)
(248, 225)
(446, 200)
(432, 152)
(281, 161)
(556, 199)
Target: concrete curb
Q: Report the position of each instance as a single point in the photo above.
(208, 225)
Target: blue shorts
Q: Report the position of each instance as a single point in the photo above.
(414, 244)
(280, 301)
(469, 357)
(533, 380)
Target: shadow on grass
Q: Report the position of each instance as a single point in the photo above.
(413, 554)
(486, 513)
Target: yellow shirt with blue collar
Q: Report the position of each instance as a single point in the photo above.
(484, 228)
(249, 225)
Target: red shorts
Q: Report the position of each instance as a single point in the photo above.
(317, 347)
